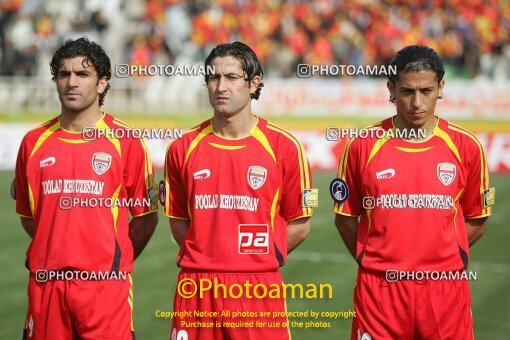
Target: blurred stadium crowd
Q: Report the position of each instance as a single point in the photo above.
(472, 36)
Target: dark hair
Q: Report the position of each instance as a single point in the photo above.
(92, 52)
(416, 58)
(248, 59)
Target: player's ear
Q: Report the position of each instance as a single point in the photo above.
(101, 85)
(391, 88)
(441, 86)
(255, 83)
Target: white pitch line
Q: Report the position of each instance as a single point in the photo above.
(316, 257)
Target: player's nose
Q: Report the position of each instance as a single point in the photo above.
(416, 101)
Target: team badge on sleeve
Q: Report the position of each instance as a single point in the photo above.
(489, 197)
(446, 173)
(310, 198)
(256, 176)
(339, 190)
(101, 162)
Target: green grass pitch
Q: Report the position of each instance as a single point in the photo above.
(322, 258)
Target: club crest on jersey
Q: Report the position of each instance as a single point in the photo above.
(101, 162)
(446, 173)
(256, 176)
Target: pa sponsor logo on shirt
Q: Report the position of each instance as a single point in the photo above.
(253, 239)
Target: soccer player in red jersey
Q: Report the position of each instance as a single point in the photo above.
(83, 245)
(239, 197)
(408, 207)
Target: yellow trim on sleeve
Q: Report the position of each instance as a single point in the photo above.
(146, 213)
(25, 216)
(343, 213)
(300, 216)
(176, 217)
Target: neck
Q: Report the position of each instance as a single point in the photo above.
(75, 122)
(428, 127)
(236, 126)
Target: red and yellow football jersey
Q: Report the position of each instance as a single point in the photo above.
(239, 195)
(54, 168)
(413, 198)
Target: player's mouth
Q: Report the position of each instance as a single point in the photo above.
(222, 99)
(418, 114)
(71, 94)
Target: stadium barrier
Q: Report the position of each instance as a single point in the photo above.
(310, 97)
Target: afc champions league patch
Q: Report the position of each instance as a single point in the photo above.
(446, 173)
(489, 197)
(339, 190)
(310, 198)
(256, 176)
(153, 193)
(162, 193)
(101, 162)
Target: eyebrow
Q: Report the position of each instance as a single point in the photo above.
(412, 89)
(65, 72)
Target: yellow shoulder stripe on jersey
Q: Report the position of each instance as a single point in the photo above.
(227, 147)
(273, 208)
(207, 130)
(375, 149)
(115, 208)
(484, 170)
(304, 175)
(116, 143)
(42, 138)
(448, 140)
(262, 139)
(413, 150)
(73, 141)
(121, 123)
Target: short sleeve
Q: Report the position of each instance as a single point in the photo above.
(296, 178)
(349, 171)
(21, 182)
(176, 201)
(474, 200)
(139, 179)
